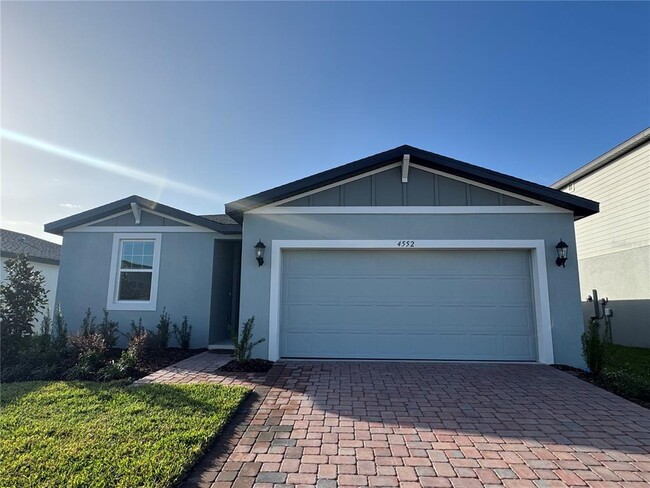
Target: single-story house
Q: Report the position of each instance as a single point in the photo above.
(613, 247)
(42, 255)
(406, 254)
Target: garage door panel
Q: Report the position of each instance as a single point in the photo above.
(407, 304)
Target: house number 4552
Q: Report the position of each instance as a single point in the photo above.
(405, 243)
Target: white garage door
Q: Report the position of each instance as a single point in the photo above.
(415, 304)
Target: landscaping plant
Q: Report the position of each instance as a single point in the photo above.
(163, 330)
(46, 324)
(183, 333)
(244, 343)
(108, 329)
(594, 348)
(60, 329)
(141, 342)
(22, 297)
(87, 324)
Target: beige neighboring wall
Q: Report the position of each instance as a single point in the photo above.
(613, 246)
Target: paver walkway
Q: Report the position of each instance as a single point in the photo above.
(202, 368)
(343, 424)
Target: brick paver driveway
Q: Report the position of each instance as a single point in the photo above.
(437, 424)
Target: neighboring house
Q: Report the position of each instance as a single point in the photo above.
(402, 255)
(43, 255)
(614, 246)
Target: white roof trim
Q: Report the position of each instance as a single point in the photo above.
(189, 226)
(406, 159)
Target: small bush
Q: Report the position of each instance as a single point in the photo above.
(46, 324)
(141, 342)
(60, 329)
(594, 348)
(183, 333)
(89, 343)
(244, 342)
(628, 383)
(163, 330)
(108, 329)
(88, 323)
(87, 365)
(120, 369)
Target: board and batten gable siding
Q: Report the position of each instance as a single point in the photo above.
(385, 188)
(623, 190)
(563, 289)
(184, 282)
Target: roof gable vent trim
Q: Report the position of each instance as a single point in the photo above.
(137, 212)
(406, 159)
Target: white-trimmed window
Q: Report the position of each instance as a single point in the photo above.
(135, 265)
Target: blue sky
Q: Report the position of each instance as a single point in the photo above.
(197, 104)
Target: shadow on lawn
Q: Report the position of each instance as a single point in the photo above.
(171, 397)
(12, 392)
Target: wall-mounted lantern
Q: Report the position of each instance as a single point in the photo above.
(259, 252)
(562, 249)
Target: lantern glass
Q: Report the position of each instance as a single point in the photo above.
(562, 249)
(259, 252)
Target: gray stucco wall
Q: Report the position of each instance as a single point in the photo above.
(624, 278)
(184, 288)
(564, 291)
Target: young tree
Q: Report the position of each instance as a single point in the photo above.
(22, 297)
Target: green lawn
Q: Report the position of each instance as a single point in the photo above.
(82, 434)
(628, 371)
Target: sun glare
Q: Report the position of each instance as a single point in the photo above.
(108, 166)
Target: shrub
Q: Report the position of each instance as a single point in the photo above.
(183, 333)
(22, 297)
(136, 329)
(108, 329)
(244, 342)
(88, 364)
(43, 356)
(37, 359)
(594, 348)
(628, 383)
(141, 342)
(60, 329)
(163, 330)
(87, 324)
(120, 369)
(89, 343)
(46, 324)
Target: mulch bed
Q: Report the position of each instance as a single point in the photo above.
(590, 378)
(250, 366)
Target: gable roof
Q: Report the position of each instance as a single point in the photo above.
(209, 222)
(39, 250)
(610, 156)
(581, 207)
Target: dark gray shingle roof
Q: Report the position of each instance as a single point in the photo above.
(220, 218)
(14, 243)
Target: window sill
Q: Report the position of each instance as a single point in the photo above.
(134, 306)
